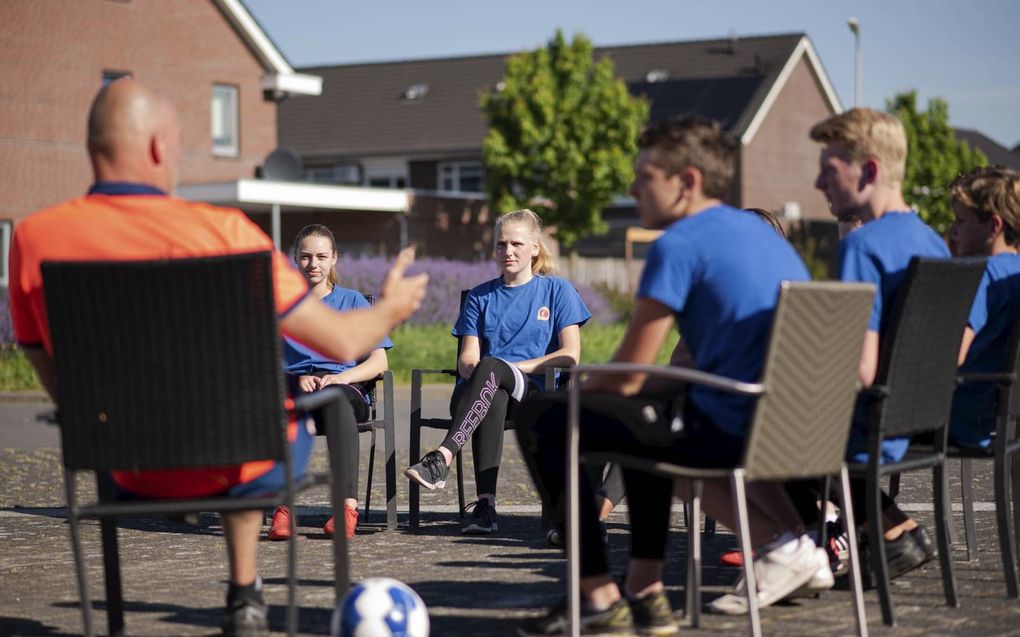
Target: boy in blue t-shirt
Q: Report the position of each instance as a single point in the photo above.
(986, 204)
(861, 169)
(716, 272)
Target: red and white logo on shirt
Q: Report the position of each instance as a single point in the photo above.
(543, 313)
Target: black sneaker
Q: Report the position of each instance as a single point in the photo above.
(430, 472)
(246, 618)
(902, 555)
(615, 620)
(925, 541)
(482, 520)
(653, 615)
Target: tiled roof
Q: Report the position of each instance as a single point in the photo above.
(363, 111)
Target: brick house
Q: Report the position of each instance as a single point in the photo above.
(209, 55)
(417, 124)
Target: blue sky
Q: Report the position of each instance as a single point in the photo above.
(967, 52)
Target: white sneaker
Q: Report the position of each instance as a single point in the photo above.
(822, 580)
(778, 575)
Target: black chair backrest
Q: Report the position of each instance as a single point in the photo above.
(921, 344)
(167, 364)
(1011, 400)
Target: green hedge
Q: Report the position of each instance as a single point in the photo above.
(16, 373)
(421, 347)
(432, 347)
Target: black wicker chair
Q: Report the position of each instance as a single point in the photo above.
(1006, 474)
(911, 395)
(387, 423)
(172, 364)
(418, 422)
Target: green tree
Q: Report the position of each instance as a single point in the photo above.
(934, 157)
(562, 136)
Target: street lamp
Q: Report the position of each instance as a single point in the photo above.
(855, 27)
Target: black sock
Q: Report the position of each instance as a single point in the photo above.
(237, 594)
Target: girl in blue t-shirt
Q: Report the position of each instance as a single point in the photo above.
(308, 371)
(511, 329)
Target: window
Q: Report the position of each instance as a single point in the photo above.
(6, 227)
(347, 173)
(383, 181)
(461, 176)
(112, 76)
(224, 120)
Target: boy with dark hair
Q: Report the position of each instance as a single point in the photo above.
(986, 204)
(716, 271)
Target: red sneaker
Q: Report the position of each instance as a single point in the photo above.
(350, 522)
(733, 558)
(280, 529)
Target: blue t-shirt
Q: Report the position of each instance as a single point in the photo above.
(996, 306)
(879, 252)
(299, 359)
(522, 322)
(720, 271)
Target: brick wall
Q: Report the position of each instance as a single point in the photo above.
(54, 53)
(781, 162)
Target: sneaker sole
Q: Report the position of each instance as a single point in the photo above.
(431, 486)
(658, 631)
(479, 530)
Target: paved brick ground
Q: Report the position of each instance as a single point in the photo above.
(175, 575)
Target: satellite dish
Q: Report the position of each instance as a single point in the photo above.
(283, 164)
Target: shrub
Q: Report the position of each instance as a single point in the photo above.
(446, 280)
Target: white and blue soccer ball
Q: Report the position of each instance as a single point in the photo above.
(380, 607)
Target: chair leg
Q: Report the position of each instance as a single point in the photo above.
(390, 438)
(1003, 522)
(849, 523)
(967, 497)
(79, 559)
(1014, 501)
(693, 592)
(894, 485)
(111, 561)
(371, 468)
(460, 479)
(941, 489)
(111, 568)
(876, 540)
(414, 449)
(292, 610)
(744, 538)
(709, 526)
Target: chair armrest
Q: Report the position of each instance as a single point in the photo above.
(316, 399)
(1002, 377)
(675, 373)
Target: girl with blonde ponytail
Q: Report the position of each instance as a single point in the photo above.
(307, 371)
(511, 329)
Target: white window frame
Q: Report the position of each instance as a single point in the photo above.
(228, 144)
(455, 170)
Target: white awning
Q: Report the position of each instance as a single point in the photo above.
(279, 197)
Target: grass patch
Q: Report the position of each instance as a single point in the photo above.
(16, 373)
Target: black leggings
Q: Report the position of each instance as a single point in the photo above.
(480, 408)
(352, 411)
(639, 425)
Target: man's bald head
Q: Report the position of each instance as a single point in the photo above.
(134, 135)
